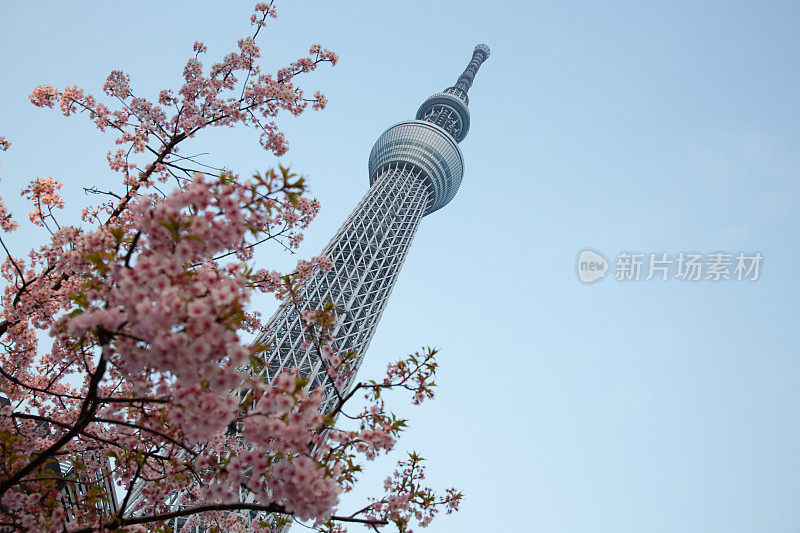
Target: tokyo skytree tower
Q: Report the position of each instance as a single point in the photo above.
(415, 168)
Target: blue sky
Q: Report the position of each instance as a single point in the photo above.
(657, 406)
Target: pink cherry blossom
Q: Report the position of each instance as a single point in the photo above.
(147, 375)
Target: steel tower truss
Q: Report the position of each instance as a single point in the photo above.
(367, 253)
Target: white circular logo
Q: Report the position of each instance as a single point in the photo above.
(591, 266)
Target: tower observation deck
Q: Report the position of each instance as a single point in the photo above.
(415, 168)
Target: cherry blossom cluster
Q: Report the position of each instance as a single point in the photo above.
(42, 192)
(415, 374)
(285, 425)
(7, 223)
(148, 378)
(261, 9)
(148, 296)
(407, 499)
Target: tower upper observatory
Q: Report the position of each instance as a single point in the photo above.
(429, 144)
(448, 109)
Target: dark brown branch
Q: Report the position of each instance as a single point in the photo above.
(35, 389)
(270, 508)
(131, 400)
(84, 418)
(147, 429)
(146, 174)
(95, 190)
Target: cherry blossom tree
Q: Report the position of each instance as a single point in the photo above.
(148, 377)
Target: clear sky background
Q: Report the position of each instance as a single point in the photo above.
(660, 406)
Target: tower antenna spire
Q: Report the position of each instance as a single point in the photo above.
(479, 55)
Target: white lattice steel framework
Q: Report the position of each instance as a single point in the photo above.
(415, 168)
(367, 253)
